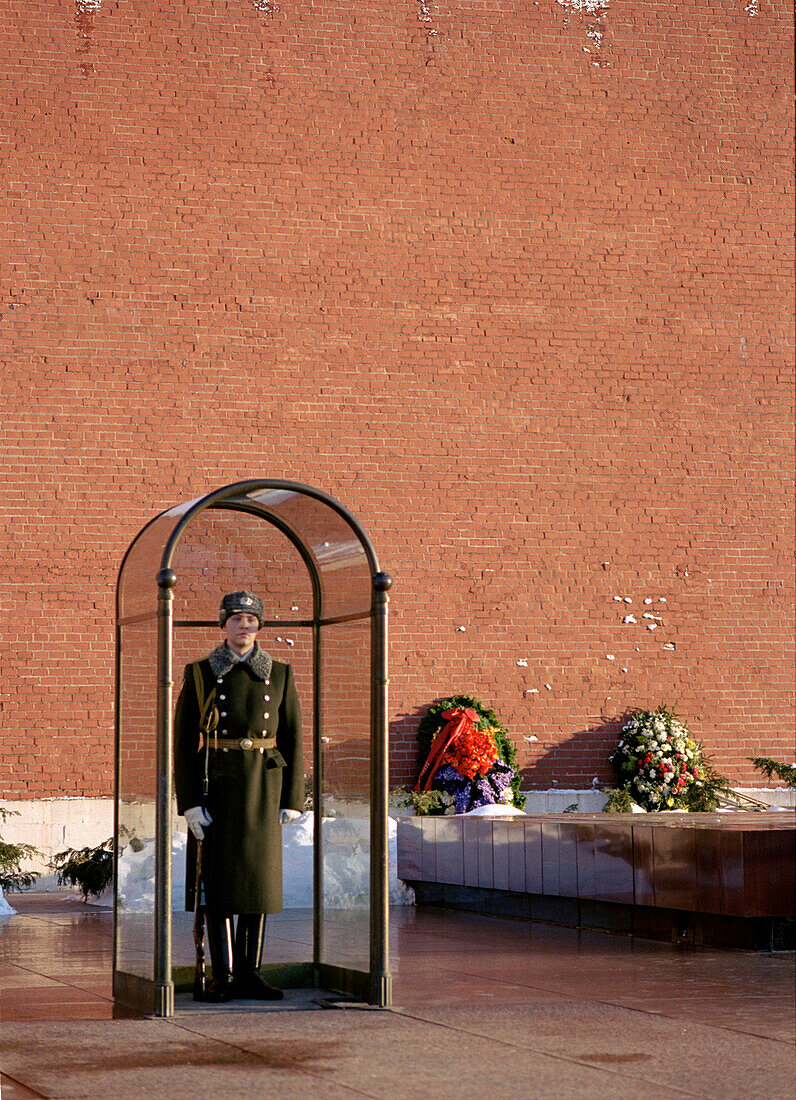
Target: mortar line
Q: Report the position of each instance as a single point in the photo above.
(253, 1054)
(631, 1008)
(547, 1053)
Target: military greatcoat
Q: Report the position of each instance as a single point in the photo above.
(242, 849)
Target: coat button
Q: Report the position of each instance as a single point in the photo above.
(220, 680)
(222, 697)
(224, 731)
(223, 714)
(267, 698)
(266, 715)
(267, 683)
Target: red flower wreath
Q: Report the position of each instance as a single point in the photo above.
(472, 753)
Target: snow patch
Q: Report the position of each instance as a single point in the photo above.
(588, 6)
(346, 879)
(494, 809)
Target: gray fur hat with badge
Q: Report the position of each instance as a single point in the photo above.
(235, 603)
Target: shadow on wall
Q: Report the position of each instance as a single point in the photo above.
(579, 762)
(403, 731)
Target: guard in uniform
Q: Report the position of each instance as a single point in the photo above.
(236, 784)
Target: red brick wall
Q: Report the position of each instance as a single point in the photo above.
(526, 309)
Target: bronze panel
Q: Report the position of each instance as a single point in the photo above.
(643, 866)
(470, 840)
(757, 872)
(429, 851)
(710, 887)
(410, 842)
(500, 855)
(483, 830)
(675, 867)
(769, 873)
(785, 846)
(732, 874)
(534, 879)
(568, 859)
(551, 858)
(585, 865)
(450, 851)
(613, 863)
(516, 855)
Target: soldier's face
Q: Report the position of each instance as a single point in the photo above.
(240, 630)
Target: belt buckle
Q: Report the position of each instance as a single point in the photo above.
(246, 743)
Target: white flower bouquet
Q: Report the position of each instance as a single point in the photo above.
(661, 766)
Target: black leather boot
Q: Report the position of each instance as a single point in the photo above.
(219, 940)
(249, 936)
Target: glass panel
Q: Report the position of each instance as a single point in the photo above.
(226, 551)
(138, 589)
(136, 796)
(223, 549)
(333, 545)
(345, 732)
(331, 542)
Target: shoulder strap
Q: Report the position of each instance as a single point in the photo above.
(208, 715)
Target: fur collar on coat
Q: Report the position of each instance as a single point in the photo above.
(222, 659)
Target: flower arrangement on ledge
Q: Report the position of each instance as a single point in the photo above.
(467, 760)
(661, 767)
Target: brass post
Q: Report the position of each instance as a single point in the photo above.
(380, 978)
(164, 984)
(317, 801)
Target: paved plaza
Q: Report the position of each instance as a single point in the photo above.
(483, 1006)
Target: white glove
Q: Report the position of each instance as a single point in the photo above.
(196, 817)
(286, 816)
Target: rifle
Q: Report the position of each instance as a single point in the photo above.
(208, 720)
(200, 970)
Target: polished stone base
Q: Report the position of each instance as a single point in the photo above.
(712, 879)
(668, 925)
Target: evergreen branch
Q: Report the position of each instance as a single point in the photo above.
(785, 772)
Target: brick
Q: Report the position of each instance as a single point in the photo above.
(524, 309)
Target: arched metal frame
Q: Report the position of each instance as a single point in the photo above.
(251, 497)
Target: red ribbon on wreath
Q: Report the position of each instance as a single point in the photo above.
(459, 721)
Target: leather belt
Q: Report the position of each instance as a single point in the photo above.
(245, 743)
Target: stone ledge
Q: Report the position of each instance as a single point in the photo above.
(725, 865)
(668, 925)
